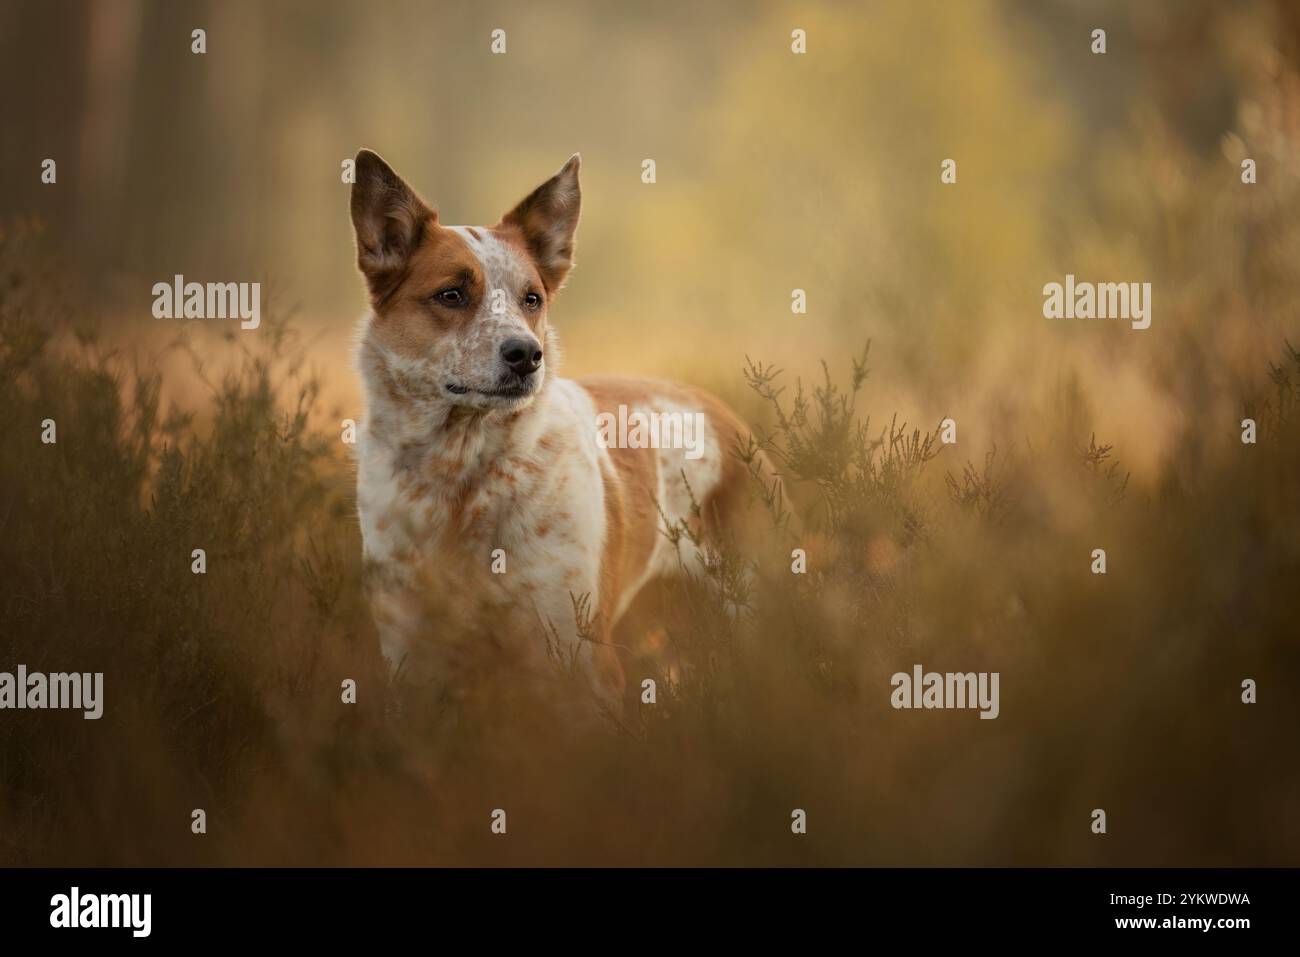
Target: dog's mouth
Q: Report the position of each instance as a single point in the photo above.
(518, 390)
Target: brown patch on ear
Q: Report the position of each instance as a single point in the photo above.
(390, 220)
(546, 220)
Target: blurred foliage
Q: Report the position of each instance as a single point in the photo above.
(776, 172)
(223, 690)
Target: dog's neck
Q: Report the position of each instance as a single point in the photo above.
(423, 432)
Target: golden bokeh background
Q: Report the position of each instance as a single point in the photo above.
(775, 171)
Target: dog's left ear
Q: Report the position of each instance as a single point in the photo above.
(548, 218)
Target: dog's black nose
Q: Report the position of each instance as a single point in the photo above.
(523, 356)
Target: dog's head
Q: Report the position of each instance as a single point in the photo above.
(459, 313)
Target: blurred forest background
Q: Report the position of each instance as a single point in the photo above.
(775, 171)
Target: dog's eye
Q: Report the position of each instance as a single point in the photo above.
(450, 297)
(533, 301)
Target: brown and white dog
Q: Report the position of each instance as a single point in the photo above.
(473, 450)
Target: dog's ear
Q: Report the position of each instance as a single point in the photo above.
(548, 218)
(389, 218)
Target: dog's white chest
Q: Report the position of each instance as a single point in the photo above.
(530, 514)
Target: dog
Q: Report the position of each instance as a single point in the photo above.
(475, 456)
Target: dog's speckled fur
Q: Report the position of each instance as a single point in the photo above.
(450, 468)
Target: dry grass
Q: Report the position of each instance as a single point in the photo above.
(222, 690)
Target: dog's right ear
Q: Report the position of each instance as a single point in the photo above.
(389, 219)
